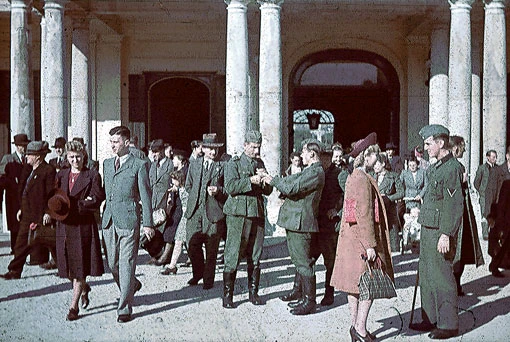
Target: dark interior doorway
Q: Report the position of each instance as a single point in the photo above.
(361, 89)
(179, 111)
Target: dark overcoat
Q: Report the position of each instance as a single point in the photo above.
(501, 231)
(78, 247)
(10, 173)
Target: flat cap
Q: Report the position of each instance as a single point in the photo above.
(253, 137)
(433, 130)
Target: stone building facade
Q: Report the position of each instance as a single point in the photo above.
(177, 69)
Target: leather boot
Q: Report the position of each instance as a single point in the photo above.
(228, 289)
(296, 292)
(166, 256)
(308, 303)
(329, 296)
(253, 285)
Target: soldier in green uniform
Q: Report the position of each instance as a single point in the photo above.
(244, 209)
(298, 215)
(440, 217)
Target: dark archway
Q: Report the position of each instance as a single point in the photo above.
(179, 111)
(360, 103)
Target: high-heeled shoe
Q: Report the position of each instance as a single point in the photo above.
(85, 296)
(72, 315)
(356, 337)
(169, 270)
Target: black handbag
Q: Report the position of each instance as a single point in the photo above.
(155, 245)
(374, 283)
(42, 234)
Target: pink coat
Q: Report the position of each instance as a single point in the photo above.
(355, 238)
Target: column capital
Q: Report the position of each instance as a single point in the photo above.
(270, 2)
(237, 3)
(55, 4)
(23, 4)
(461, 3)
(494, 3)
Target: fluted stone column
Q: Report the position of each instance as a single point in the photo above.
(494, 78)
(54, 112)
(270, 84)
(81, 107)
(22, 86)
(459, 73)
(237, 68)
(438, 84)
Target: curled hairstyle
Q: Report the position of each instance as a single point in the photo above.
(383, 159)
(360, 159)
(178, 176)
(77, 147)
(456, 140)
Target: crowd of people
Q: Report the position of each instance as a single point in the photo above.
(350, 205)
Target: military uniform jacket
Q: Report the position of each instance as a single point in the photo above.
(302, 193)
(125, 188)
(245, 199)
(213, 177)
(443, 201)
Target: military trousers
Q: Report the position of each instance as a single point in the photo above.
(300, 250)
(437, 283)
(245, 238)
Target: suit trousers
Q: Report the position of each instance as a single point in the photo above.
(22, 249)
(437, 283)
(300, 250)
(245, 238)
(121, 253)
(325, 243)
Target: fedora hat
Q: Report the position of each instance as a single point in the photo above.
(363, 144)
(60, 142)
(59, 205)
(21, 139)
(37, 147)
(210, 140)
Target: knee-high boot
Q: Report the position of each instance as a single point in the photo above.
(229, 279)
(296, 292)
(253, 285)
(307, 305)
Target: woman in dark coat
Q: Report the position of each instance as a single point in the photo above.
(78, 247)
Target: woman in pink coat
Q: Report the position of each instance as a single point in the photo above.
(367, 236)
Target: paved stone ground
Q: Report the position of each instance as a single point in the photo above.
(166, 309)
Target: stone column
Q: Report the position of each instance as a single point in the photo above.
(22, 84)
(81, 106)
(237, 69)
(494, 78)
(438, 83)
(459, 72)
(270, 85)
(54, 112)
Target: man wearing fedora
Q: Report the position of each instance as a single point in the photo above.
(60, 161)
(35, 186)
(204, 211)
(128, 195)
(10, 172)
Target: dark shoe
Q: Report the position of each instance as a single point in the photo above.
(169, 270)
(329, 296)
(443, 334)
(356, 337)
(72, 315)
(123, 318)
(296, 292)
(422, 326)
(208, 286)
(187, 263)
(486, 238)
(193, 281)
(50, 265)
(308, 303)
(295, 304)
(253, 285)
(85, 296)
(228, 289)
(497, 273)
(138, 286)
(11, 275)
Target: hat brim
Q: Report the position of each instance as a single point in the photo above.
(23, 143)
(212, 145)
(38, 152)
(60, 195)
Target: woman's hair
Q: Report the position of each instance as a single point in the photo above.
(456, 140)
(413, 159)
(178, 176)
(383, 159)
(360, 159)
(78, 147)
(293, 155)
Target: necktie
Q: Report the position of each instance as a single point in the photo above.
(117, 163)
(207, 165)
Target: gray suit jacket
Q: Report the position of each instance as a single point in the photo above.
(413, 188)
(125, 188)
(160, 183)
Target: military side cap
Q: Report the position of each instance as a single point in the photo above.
(433, 130)
(253, 137)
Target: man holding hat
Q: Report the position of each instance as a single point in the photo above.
(60, 161)
(10, 172)
(440, 217)
(204, 211)
(35, 186)
(245, 217)
(298, 215)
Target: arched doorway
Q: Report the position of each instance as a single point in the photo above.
(359, 88)
(179, 111)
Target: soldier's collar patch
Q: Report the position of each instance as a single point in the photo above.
(451, 192)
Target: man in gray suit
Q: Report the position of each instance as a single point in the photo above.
(486, 185)
(126, 181)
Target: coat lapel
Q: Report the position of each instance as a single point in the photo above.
(164, 169)
(125, 166)
(82, 182)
